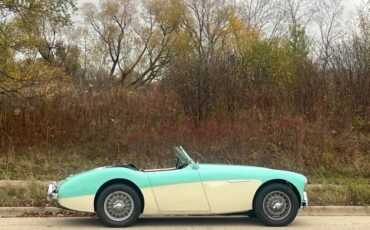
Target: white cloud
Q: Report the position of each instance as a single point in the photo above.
(351, 7)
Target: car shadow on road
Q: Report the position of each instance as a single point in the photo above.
(197, 221)
(149, 222)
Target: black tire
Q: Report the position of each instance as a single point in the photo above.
(131, 197)
(267, 198)
(251, 214)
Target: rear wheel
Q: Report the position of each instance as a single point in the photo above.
(118, 206)
(276, 205)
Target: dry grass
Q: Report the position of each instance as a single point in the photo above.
(350, 194)
(32, 194)
(321, 166)
(61, 136)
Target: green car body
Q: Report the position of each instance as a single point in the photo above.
(191, 188)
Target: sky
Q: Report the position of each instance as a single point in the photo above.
(351, 6)
(350, 9)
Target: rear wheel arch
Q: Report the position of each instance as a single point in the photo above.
(278, 181)
(120, 181)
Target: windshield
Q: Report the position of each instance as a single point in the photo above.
(182, 155)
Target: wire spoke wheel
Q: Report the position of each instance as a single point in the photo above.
(277, 205)
(118, 206)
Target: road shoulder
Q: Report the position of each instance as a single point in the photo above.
(306, 211)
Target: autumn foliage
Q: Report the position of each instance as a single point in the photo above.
(228, 82)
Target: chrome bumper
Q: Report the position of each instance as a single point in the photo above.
(305, 199)
(52, 191)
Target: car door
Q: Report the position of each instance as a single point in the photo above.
(226, 189)
(179, 190)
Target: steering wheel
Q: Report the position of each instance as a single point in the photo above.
(179, 165)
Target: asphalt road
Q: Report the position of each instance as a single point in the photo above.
(302, 222)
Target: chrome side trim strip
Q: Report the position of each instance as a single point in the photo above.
(238, 181)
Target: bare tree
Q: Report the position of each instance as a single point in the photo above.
(206, 25)
(330, 30)
(112, 23)
(300, 11)
(266, 16)
(136, 41)
(164, 18)
(194, 71)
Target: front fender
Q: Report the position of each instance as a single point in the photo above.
(78, 192)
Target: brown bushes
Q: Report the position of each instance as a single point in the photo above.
(141, 126)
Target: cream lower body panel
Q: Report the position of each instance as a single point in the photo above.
(231, 196)
(186, 197)
(221, 197)
(217, 197)
(78, 203)
(86, 203)
(150, 204)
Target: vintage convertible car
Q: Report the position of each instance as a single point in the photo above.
(120, 193)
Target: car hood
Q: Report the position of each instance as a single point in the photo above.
(231, 167)
(224, 171)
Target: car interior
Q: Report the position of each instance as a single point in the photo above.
(182, 161)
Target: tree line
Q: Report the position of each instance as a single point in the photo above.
(267, 82)
(217, 58)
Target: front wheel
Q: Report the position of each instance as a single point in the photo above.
(276, 205)
(118, 206)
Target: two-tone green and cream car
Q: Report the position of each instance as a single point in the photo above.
(119, 194)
